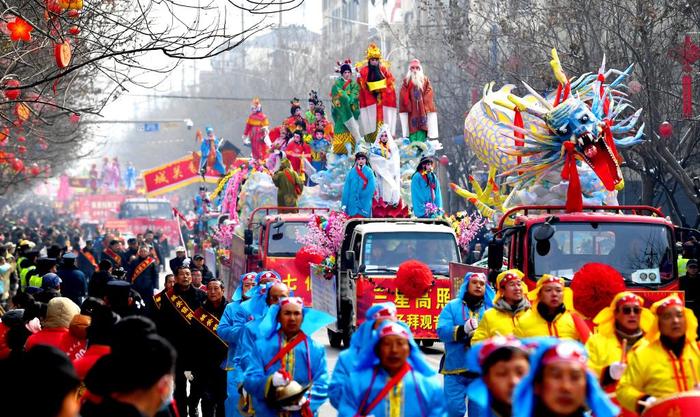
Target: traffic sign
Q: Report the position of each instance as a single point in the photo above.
(151, 127)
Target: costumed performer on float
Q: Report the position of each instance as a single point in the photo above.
(359, 188)
(298, 152)
(392, 378)
(286, 371)
(130, 177)
(456, 325)
(377, 95)
(347, 359)
(314, 103)
(386, 163)
(289, 184)
(543, 391)
(620, 329)
(426, 195)
(668, 364)
(501, 363)
(319, 149)
(210, 153)
(345, 110)
(417, 110)
(296, 118)
(255, 132)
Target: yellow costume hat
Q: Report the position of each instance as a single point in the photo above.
(658, 308)
(373, 51)
(605, 319)
(551, 279)
(504, 278)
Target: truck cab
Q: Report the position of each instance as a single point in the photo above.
(638, 241)
(372, 251)
(136, 215)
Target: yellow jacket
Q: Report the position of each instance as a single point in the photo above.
(654, 371)
(496, 322)
(604, 349)
(532, 324)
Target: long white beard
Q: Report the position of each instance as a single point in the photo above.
(417, 78)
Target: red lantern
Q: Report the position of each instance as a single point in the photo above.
(444, 160)
(43, 145)
(21, 139)
(53, 7)
(74, 118)
(20, 30)
(73, 14)
(18, 165)
(11, 90)
(665, 130)
(63, 54)
(634, 87)
(21, 149)
(74, 30)
(34, 169)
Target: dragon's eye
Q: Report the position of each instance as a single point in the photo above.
(562, 130)
(584, 119)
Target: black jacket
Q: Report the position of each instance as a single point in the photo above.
(109, 408)
(98, 284)
(172, 326)
(146, 282)
(73, 283)
(175, 263)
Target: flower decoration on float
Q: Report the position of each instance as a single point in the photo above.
(20, 30)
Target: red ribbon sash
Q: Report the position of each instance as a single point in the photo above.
(141, 267)
(181, 307)
(383, 393)
(365, 181)
(112, 254)
(209, 321)
(286, 349)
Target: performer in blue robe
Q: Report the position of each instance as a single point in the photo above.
(456, 325)
(211, 144)
(392, 356)
(359, 188)
(229, 335)
(285, 352)
(130, 177)
(347, 359)
(425, 188)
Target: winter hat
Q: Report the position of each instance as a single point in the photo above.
(60, 312)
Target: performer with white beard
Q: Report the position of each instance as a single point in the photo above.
(417, 108)
(385, 160)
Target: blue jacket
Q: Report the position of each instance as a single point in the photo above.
(309, 366)
(422, 194)
(452, 318)
(423, 395)
(74, 284)
(228, 331)
(356, 198)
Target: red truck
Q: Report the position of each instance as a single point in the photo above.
(136, 215)
(638, 241)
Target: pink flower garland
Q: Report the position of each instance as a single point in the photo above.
(324, 234)
(468, 228)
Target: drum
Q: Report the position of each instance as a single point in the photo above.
(685, 404)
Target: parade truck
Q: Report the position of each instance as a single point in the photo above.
(137, 215)
(371, 253)
(638, 241)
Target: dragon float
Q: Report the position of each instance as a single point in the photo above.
(557, 149)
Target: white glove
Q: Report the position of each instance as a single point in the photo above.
(648, 402)
(297, 406)
(246, 140)
(189, 376)
(279, 380)
(471, 325)
(616, 370)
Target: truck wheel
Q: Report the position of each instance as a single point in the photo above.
(335, 339)
(427, 343)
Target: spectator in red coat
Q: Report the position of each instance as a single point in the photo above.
(59, 313)
(99, 336)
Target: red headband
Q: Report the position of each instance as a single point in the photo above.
(291, 300)
(479, 275)
(385, 313)
(551, 280)
(673, 301)
(498, 342)
(565, 352)
(628, 299)
(508, 278)
(249, 277)
(394, 329)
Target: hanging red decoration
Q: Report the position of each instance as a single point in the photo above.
(63, 54)
(43, 145)
(444, 160)
(21, 139)
(74, 30)
(17, 165)
(20, 30)
(73, 14)
(665, 130)
(22, 111)
(53, 7)
(686, 54)
(34, 169)
(74, 118)
(11, 90)
(21, 149)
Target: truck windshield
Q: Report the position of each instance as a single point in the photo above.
(384, 252)
(282, 240)
(642, 253)
(149, 209)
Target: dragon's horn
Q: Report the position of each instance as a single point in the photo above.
(523, 106)
(557, 69)
(547, 105)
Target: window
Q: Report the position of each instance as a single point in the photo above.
(384, 252)
(282, 240)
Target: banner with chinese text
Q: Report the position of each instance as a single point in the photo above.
(421, 314)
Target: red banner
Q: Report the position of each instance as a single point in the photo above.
(140, 225)
(296, 280)
(421, 314)
(99, 207)
(174, 175)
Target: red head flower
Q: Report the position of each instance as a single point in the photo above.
(20, 30)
